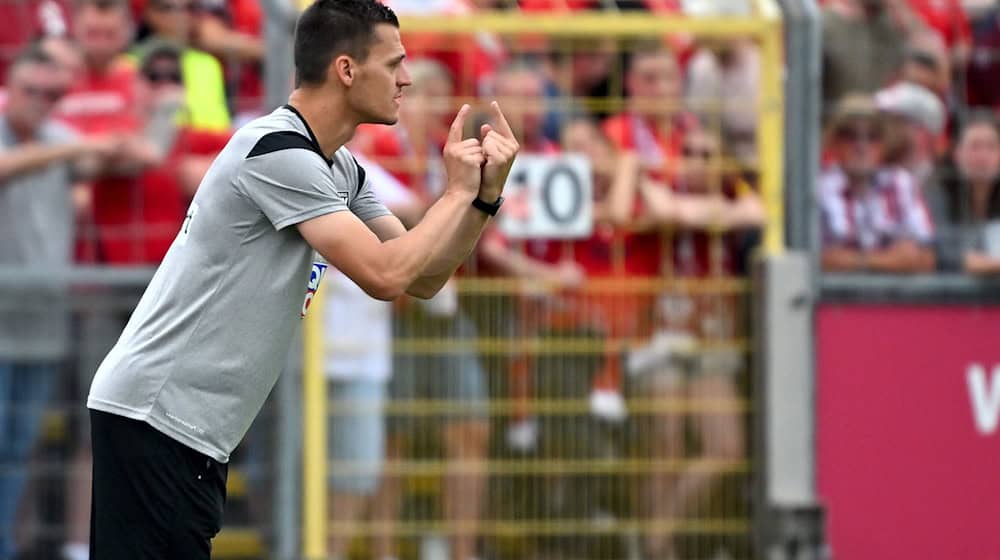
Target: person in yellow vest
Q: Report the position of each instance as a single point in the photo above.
(172, 21)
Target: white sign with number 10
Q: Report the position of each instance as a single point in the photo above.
(548, 197)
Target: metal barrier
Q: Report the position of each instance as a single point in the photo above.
(545, 470)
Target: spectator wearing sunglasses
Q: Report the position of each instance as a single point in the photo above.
(40, 159)
(173, 21)
(873, 215)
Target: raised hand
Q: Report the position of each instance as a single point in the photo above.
(500, 148)
(463, 159)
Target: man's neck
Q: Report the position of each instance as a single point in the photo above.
(328, 117)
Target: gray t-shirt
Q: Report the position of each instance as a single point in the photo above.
(211, 334)
(36, 233)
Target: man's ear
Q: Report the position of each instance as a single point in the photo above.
(344, 69)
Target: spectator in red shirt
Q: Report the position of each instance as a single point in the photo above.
(103, 98)
(107, 98)
(708, 213)
(563, 266)
(653, 124)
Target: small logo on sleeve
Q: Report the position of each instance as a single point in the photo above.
(315, 278)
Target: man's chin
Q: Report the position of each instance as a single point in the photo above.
(387, 118)
(383, 119)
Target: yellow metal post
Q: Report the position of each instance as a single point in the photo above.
(314, 415)
(771, 135)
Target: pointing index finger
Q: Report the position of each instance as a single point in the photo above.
(501, 122)
(458, 125)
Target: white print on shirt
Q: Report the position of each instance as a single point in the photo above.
(182, 237)
(315, 277)
(186, 424)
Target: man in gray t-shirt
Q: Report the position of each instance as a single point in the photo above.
(283, 201)
(39, 160)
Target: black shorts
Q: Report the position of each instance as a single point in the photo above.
(154, 498)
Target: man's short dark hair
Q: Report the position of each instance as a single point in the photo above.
(329, 28)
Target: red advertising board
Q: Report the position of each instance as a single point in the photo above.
(907, 434)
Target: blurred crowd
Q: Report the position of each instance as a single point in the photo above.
(911, 148)
(111, 112)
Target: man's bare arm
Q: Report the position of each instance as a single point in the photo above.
(448, 255)
(386, 269)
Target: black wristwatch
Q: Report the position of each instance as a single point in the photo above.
(490, 209)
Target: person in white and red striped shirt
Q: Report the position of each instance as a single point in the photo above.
(873, 215)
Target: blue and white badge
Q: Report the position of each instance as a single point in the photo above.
(315, 278)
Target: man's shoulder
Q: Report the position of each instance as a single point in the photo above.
(350, 165)
(273, 133)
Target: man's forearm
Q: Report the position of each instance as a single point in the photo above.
(422, 246)
(33, 157)
(451, 251)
